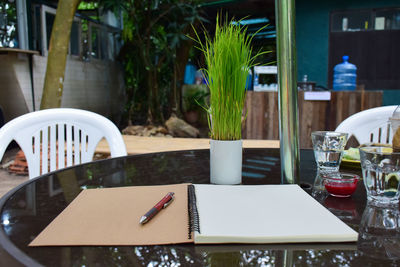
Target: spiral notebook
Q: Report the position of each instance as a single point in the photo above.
(200, 214)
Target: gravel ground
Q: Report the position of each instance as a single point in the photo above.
(9, 180)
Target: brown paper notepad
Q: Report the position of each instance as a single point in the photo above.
(110, 217)
(219, 214)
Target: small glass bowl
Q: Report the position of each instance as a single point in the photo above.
(340, 184)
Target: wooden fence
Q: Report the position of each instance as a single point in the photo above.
(263, 118)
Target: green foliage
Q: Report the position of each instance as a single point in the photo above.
(8, 23)
(195, 98)
(228, 59)
(87, 5)
(153, 33)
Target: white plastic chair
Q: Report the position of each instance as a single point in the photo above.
(369, 126)
(69, 135)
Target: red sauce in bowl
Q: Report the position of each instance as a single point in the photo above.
(341, 187)
(342, 190)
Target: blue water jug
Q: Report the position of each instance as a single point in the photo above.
(190, 73)
(344, 75)
(249, 81)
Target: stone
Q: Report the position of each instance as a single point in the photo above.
(162, 130)
(180, 128)
(145, 132)
(152, 131)
(133, 129)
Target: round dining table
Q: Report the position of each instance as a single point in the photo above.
(29, 208)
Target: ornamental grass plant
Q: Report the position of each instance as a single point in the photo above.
(228, 59)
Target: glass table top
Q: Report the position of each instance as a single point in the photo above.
(29, 208)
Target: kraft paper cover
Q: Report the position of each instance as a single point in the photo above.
(110, 217)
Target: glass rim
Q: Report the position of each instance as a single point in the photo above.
(344, 177)
(372, 150)
(341, 180)
(324, 132)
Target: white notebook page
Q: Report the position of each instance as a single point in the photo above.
(265, 214)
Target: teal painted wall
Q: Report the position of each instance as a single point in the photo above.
(391, 97)
(312, 33)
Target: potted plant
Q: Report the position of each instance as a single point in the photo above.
(228, 58)
(194, 99)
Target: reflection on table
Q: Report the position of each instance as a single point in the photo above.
(379, 235)
(28, 209)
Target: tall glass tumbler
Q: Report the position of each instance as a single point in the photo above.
(381, 174)
(328, 149)
(379, 232)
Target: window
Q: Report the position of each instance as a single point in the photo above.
(373, 48)
(48, 18)
(74, 42)
(88, 39)
(103, 42)
(351, 21)
(387, 19)
(363, 20)
(8, 24)
(94, 41)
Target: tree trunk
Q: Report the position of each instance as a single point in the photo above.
(155, 115)
(150, 110)
(174, 94)
(54, 79)
(57, 57)
(179, 73)
(182, 56)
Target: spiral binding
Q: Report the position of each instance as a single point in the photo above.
(194, 220)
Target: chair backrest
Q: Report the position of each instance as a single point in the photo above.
(56, 138)
(369, 126)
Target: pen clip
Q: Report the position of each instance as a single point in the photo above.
(169, 202)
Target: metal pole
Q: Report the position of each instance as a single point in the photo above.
(287, 94)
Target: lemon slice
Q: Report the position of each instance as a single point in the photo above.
(392, 184)
(387, 150)
(392, 181)
(351, 154)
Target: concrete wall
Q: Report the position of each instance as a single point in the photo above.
(13, 102)
(96, 86)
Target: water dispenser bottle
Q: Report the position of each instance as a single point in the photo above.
(255, 83)
(344, 76)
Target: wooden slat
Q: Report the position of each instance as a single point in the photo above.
(262, 113)
(142, 145)
(307, 123)
(263, 122)
(274, 111)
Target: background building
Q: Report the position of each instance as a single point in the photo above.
(93, 79)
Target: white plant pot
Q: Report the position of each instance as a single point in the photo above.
(225, 162)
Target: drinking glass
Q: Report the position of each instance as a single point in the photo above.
(381, 172)
(379, 232)
(318, 190)
(395, 123)
(328, 149)
(395, 119)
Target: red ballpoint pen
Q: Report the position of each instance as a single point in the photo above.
(162, 204)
